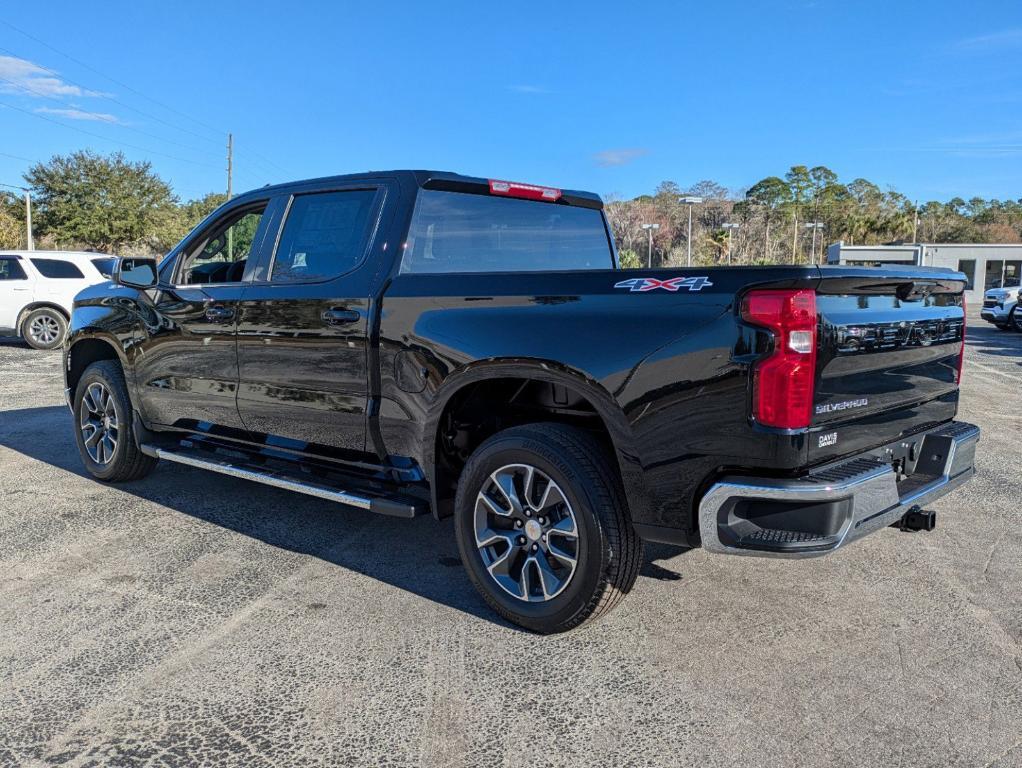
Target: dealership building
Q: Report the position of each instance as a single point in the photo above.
(985, 266)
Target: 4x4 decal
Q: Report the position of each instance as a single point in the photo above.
(643, 284)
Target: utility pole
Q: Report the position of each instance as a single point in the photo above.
(649, 230)
(794, 234)
(28, 221)
(230, 163)
(690, 201)
(230, 179)
(915, 220)
(814, 225)
(730, 230)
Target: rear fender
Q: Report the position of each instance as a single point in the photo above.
(604, 404)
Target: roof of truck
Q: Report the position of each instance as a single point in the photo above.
(445, 180)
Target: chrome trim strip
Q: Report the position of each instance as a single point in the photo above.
(875, 500)
(224, 468)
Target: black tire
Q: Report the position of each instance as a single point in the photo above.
(44, 328)
(1015, 320)
(608, 552)
(124, 461)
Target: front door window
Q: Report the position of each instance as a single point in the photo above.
(221, 255)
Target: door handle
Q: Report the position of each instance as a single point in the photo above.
(218, 314)
(340, 316)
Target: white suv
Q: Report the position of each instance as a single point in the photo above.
(37, 289)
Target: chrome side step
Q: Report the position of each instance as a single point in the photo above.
(394, 506)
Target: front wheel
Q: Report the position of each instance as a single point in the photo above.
(104, 428)
(44, 328)
(1015, 320)
(542, 527)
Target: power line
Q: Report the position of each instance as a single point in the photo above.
(253, 154)
(26, 89)
(127, 87)
(105, 138)
(110, 98)
(16, 157)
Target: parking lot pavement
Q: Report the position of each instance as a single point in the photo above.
(194, 618)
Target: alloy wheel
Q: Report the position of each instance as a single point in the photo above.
(44, 330)
(98, 422)
(526, 533)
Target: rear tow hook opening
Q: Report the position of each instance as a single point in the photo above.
(917, 519)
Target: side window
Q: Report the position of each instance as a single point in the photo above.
(221, 254)
(10, 269)
(105, 267)
(57, 270)
(324, 235)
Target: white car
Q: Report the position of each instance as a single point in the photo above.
(37, 289)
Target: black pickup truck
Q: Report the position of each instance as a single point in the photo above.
(415, 342)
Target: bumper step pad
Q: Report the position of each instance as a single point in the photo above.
(834, 505)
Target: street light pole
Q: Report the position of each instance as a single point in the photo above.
(814, 225)
(28, 221)
(649, 230)
(730, 230)
(690, 201)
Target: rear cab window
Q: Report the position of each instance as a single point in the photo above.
(465, 232)
(56, 269)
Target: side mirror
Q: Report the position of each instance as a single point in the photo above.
(136, 272)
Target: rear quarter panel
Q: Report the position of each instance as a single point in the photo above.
(659, 365)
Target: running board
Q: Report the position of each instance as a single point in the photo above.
(393, 505)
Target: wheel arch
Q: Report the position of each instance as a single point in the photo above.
(606, 418)
(85, 349)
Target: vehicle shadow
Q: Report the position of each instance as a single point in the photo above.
(987, 339)
(419, 556)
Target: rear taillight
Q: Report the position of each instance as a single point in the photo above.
(961, 352)
(524, 191)
(783, 383)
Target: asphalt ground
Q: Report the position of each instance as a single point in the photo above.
(191, 618)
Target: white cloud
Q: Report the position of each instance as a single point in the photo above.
(612, 157)
(73, 113)
(528, 89)
(1007, 38)
(23, 77)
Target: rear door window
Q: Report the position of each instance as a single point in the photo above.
(56, 269)
(462, 232)
(325, 235)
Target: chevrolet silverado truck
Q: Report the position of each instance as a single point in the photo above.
(418, 342)
(1000, 307)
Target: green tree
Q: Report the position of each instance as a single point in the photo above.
(103, 202)
(769, 193)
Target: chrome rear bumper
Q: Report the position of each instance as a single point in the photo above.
(832, 507)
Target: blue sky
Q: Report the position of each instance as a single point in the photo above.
(922, 96)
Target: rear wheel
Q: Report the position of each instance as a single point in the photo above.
(104, 429)
(44, 328)
(542, 527)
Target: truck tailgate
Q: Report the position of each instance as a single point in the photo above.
(888, 355)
